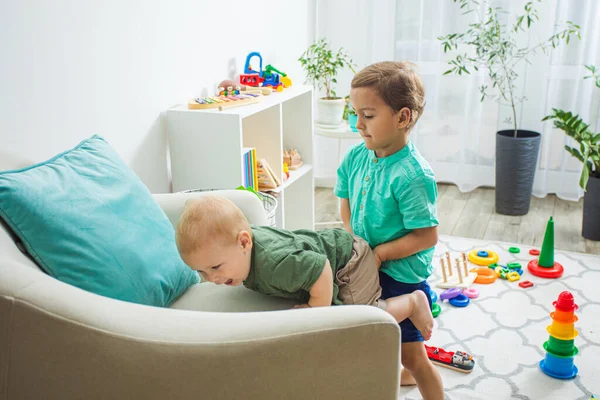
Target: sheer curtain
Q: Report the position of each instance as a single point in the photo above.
(456, 133)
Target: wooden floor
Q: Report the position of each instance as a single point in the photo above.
(472, 215)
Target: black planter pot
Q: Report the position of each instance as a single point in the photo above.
(516, 159)
(591, 210)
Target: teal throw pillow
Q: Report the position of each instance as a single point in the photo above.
(89, 221)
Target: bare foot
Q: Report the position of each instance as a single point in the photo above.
(421, 314)
(406, 378)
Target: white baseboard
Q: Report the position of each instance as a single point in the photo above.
(325, 181)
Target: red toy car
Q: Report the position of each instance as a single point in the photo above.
(459, 360)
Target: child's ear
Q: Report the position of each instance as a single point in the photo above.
(403, 117)
(245, 240)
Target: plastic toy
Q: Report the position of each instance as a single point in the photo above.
(513, 266)
(222, 101)
(514, 250)
(513, 276)
(460, 301)
(450, 293)
(458, 361)
(545, 266)
(560, 347)
(471, 293)
(462, 279)
(483, 257)
(285, 80)
(435, 307)
(485, 275)
(286, 172)
(525, 284)
(434, 296)
(265, 78)
(534, 252)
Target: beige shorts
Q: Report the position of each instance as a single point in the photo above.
(358, 280)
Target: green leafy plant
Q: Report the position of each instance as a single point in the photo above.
(494, 47)
(589, 142)
(322, 66)
(348, 109)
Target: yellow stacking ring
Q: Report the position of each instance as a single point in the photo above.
(483, 257)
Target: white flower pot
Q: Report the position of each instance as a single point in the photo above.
(330, 112)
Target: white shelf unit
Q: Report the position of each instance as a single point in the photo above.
(206, 148)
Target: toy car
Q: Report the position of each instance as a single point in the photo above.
(459, 360)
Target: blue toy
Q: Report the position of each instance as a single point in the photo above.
(460, 301)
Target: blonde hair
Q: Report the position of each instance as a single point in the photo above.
(397, 83)
(208, 220)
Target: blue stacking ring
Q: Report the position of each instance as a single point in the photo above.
(482, 253)
(434, 296)
(460, 301)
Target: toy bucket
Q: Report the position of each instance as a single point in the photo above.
(558, 367)
(564, 317)
(562, 331)
(562, 348)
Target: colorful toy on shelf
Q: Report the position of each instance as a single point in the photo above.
(229, 91)
(265, 91)
(269, 77)
(560, 347)
(483, 257)
(222, 101)
(285, 80)
(458, 361)
(286, 172)
(462, 279)
(545, 266)
(292, 158)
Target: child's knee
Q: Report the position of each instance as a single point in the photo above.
(414, 360)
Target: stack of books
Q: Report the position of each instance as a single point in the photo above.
(249, 168)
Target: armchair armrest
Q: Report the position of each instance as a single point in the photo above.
(173, 203)
(67, 343)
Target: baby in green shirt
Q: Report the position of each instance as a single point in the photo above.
(316, 268)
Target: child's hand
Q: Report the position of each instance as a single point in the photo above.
(301, 306)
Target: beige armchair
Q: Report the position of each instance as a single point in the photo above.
(216, 342)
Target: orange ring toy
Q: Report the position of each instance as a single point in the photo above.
(485, 275)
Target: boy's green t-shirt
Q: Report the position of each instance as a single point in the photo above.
(389, 198)
(288, 263)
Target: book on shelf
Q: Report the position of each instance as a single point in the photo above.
(250, 173)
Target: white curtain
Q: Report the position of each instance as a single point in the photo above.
(456, 133)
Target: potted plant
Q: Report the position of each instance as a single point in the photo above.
(493, 48)
(350, 114)
(589, 154)
(322, 66)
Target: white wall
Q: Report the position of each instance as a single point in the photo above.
(73, 68)
(366, 29)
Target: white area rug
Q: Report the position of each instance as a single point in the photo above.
(504, 329)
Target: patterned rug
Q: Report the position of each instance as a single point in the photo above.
(504, 329)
